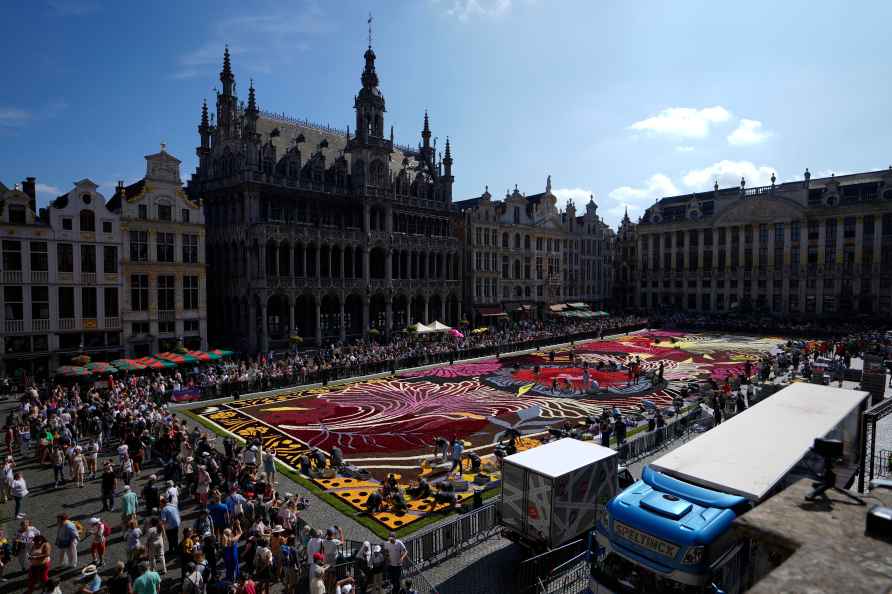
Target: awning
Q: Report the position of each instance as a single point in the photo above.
(520, 307)
(491, 311)
(557, 307)
(601, 314)
(438, 326)
(578, 305)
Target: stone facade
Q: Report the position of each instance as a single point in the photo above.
(624, 265)
(61, 278)
(164, 297)
(810, 247)
(523, 254)
(322, 233)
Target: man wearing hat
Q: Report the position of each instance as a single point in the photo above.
(93, 584)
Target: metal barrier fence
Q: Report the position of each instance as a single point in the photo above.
(573, 578)
(536, 569)
(646, 443)
(882, 464)
(435, 544)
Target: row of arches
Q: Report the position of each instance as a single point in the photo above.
(263, 323)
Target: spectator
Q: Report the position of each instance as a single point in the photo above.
(170, 522)
(148, 582)
(67, 539)
(396, 554)
(40, 557)
(109, 481)
(19, 492)
(93, 584)
(120, 582)
(129, 506)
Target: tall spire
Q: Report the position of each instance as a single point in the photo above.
(448, 155)
(226, 76)
(370, 30)
(204, 114)
(426, 131)
(252, 100)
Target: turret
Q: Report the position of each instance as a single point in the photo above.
(251, 113)
(204, 131)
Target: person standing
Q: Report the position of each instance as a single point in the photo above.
(148, 582)
(155, 545)
(129, 505)
(41, 557)
(24, 540)
(396, 554)
(109, 481)
(458, 448)
(170, 521)
(19, 492)
(67, 539)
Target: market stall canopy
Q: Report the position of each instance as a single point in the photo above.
(557, 307)
(422, 329)
(601, 314)
(73, 371)
(222, 352)
(153, 363)
(128, 365)
(491, 312)
(438, 326)
(101, 368)
(578, 305)
(184, 359)
(203, 356)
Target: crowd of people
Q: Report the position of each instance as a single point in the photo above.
(216, 513)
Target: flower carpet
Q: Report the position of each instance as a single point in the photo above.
(388, 425)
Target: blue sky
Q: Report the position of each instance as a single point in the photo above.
(626, 100)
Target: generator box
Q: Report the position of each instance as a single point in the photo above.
(553, 493)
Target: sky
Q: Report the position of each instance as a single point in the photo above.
(626, 101)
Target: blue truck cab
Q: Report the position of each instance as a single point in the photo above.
(675, 530)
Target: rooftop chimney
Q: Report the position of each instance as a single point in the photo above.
(29, 187)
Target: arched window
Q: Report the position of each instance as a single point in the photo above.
(504, 241)
(516, 241)
(526, 242)
(88, 220)
(377, 174)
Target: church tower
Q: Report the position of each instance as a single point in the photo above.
(369, 103)
(227, 102)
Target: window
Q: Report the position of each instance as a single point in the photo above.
(164, 245)
(106, 226)
(66, 224)
(111, 302)
(88, 220)
(13, 303)
(39, 257)
(190, 249)
(848, 227)
(139, 292)
(65, 257)
(143, 212)
(190, 326)
(166, 295)
(190, 292)
(12, 255)
(17, 214)
(139, 246)
(778, 233)
(166, 327)
(88, 258)
(137, 328)
(110, 259)
(185, 215)
(516, 215)
(88, 302)
(66, 302)
(165, 212)
(795, 230)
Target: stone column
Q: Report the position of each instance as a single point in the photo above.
(388, 267)
(443, 308)
(388, 315)
(388, 218)
(318, 262)
(318, 319)
(341, 320)
(303, 258)
(366, 305)
(427, 309)
(366, 218)
(264, 331)
(343, 263)
(365, 265)
(291, 304)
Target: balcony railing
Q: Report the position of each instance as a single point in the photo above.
(67, 323)
(111, 323)
(38, 325)
(111, 278)
(167, 315)
(39, 276)
(66, 277)
(88, 278)
(15, 325)
(12, 276)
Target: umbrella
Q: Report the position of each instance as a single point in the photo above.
(222, 352)
(203, 356)
(177, 358)
(73, 371)
(456, 333)
(154, 363)
(480, 330)
(101, 368)
(127, 365)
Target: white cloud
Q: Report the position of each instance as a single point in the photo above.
(748, 132)
(467, 9)
(13, 116)
(51, 191)
(656, 186)
(579, 196)
(259, 42)
(683, 122)
(684, 149)
(728, 173)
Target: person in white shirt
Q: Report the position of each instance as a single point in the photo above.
(314, 545)
(396, 555)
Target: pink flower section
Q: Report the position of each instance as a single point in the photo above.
(457, 370)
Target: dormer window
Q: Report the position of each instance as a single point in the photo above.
(165, 213)
(143, 212)
(17, 214)
(185, 215)
(66, 224)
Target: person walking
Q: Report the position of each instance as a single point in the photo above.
(19, 491)
(170, 521)
(67, 539)
(58, 458)
(129, 506)
(41, 557)
(148, 582)
(24, 541)
(109, 481)
(458, 448)
(155, 546)
(396, 553)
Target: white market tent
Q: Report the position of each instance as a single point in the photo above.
(748, 454)
(438, 326)
(422, 329)
(557, 458)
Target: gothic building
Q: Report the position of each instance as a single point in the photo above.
(318, 232)
(625, 264)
